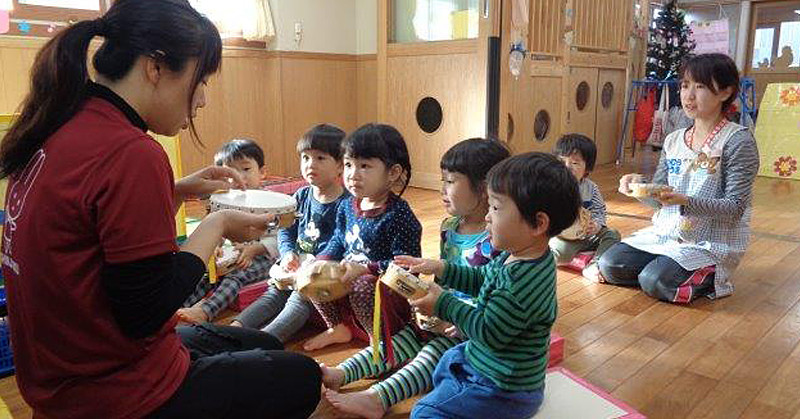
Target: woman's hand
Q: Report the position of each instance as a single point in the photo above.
(352, 271)
(208, 180)
(426, 304)
(239, 227)
(626, 180)
(667, 198)
(420, 266)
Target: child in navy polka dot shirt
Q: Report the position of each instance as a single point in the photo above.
(372, 227)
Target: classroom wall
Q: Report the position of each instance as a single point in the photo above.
(271, 95)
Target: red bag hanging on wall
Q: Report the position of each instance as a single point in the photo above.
(643, 120)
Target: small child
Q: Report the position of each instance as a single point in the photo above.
(579, 153)
(464, 242)
(372, 227)
(254, 260)
(499, 372)
(285, 312)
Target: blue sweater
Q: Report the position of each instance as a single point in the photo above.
(376, 236)
(312, 231)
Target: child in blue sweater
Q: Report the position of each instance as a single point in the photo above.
(372, 227)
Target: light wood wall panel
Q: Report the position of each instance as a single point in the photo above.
(547, 27)
(16, 60)
(531, 95)
(243, 100)
(367, 80)
(454, 80)
(316, 90)
(269, 96)
(603, 24)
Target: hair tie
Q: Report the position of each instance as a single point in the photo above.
(100, 27)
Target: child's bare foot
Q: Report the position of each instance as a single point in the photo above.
(235, 323)
(332, 377)
(193, 315)
(364, 404)
(339, 334)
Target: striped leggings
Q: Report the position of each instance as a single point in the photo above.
(419, 348)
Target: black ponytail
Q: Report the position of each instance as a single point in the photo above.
(170, 31)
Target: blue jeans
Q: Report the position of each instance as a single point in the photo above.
(459, 391)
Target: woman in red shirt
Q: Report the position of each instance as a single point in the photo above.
(93, 273)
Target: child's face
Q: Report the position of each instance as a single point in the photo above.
(249, 170)
(576, 164)
(319, 168)
(699, 101)
(507, 228)
(457, 194)
(367, 178)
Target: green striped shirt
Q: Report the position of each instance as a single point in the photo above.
(509, 327)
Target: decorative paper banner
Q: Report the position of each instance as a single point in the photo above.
(712, 36)
(72, 4)
(778, 131)
(4, 21)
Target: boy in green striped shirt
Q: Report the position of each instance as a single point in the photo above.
(499, 371)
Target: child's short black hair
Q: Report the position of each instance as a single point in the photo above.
(473, 158)
(383, 142)
(538, 182)
(239, 148)
(577, 143)
(711, 68)
(326, 138)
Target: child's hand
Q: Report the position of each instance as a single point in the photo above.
(453, 332)
(290, 262)
(592, 229)
(420, 265)
(426, 304)
(353, 271)
(246, 254)
(667, 198)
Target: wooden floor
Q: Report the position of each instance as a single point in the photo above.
(736, 357)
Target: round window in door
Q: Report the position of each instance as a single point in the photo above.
(541, 125)
(607, 96)
(429, 114)
(582, 95)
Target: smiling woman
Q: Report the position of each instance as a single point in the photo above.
(701, 225)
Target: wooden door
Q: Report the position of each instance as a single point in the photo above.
(580, 102)
(609, 102)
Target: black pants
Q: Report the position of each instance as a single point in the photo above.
(242, 373)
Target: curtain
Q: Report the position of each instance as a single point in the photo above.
(248, 19)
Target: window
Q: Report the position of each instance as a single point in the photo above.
(762, 47)
(249, 20)
(775, 46)
(789, 42)
(434, 20)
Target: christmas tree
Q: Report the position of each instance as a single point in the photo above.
(669, 43)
